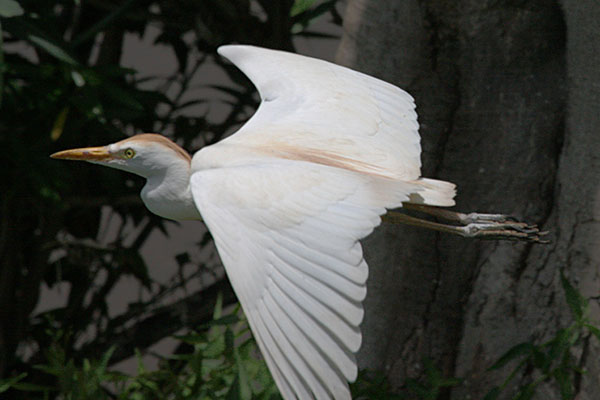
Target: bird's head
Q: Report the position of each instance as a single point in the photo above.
(165, 165)
(145, 155)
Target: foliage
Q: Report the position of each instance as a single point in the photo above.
(222, 363)
(372, 385)
(217, 361)
(432, 384)
(552, 361)
(62, 86)
(220, 360)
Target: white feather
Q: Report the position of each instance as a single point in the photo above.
(313, 272)
(289, 196)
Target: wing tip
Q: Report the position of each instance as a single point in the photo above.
(226, 49)
(229, 50)
(234, 52)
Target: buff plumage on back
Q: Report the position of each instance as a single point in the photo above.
(288, 197)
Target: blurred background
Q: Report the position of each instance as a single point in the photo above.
(101, 299)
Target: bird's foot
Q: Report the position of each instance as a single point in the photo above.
(472, 225)
(497, 226)
(471, 218)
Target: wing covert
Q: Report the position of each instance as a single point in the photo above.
(318, 111)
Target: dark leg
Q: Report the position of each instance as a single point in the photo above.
(472, 225)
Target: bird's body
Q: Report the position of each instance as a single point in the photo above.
(287, 199)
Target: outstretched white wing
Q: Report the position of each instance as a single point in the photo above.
(288, 234)
(313, 109)
(288, 197)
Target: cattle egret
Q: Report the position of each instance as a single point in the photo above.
(287, 199)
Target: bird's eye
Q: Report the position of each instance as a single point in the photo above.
(129, 153)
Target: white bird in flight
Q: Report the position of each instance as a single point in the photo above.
(287, 199)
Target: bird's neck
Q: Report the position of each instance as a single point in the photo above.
(167, 193)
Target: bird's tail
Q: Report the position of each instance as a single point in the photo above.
(433, 193)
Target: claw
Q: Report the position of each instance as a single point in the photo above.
(507, 231)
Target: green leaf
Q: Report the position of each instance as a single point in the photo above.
(493, 394)
(6, 384)
(433, 373)
(417, 388)
(87, 365)
(50, 370)
(218, 310)
(245, 391)
(192, 338)
(141, 369)
(301, 6)
(304, 19)
(450, 382)
(32, 387)
(52, 48)
(215, 348)
(559, 344)
(123, 97)
(540, 359)
(229, 341)
(565, 385)
(106, 358)
(103, 23)
(42, 39)
(234, 390)
(59, 124)
(512, 354)
(229, 319)
(263, 375)
(594, 330)
(10, 8)
(577, 303)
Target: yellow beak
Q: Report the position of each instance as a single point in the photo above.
(85, 154)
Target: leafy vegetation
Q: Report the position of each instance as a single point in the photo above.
(217, 361)
(63, 85)
(220, 360)
(553, 360)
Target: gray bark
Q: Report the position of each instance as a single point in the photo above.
(494, 83)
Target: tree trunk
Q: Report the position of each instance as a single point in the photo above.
(494, 82)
